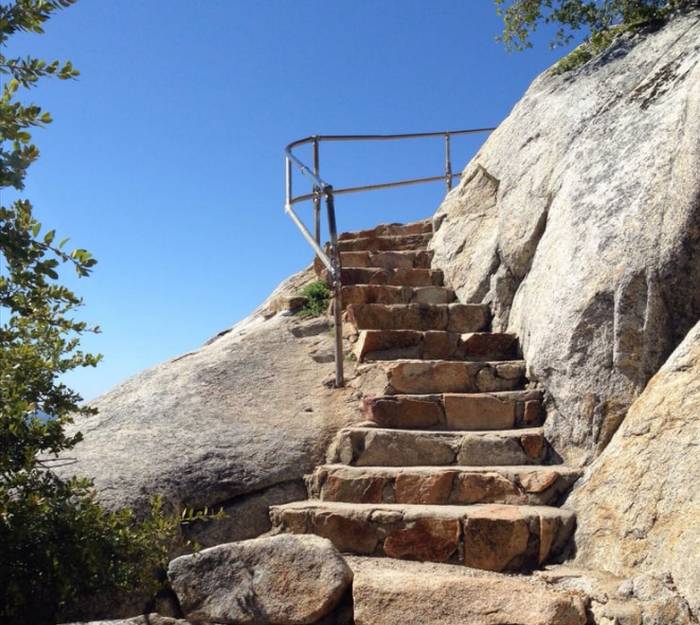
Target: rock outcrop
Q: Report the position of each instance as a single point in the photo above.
(236, 423)
(279, 580)
(639, 503)
(579, 223)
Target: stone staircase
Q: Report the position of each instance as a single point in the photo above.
(452, 462)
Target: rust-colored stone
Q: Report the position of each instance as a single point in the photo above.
(432, 540)
(548, 531)
(532, 444)
(356, 490)
(423, 489)
(538, 481)
(403, 412)
(487, 344)
(495, 543)
(346, 533)
(471, 488)
(532, 414)
(478, 412)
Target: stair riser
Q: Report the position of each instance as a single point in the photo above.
(391, 277)
(447, 487)
(399, 344)
(477, 411)
(445, 377)
(421, 317)
(419, 227)
(385, 243)
(510, 543)
(386, 260)
(385, 294)
(396, 448)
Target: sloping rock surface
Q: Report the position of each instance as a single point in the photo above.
(579, 222)
(279, 580)
(638, 506)
(236, 423)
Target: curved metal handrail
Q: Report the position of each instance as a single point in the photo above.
(323, 189)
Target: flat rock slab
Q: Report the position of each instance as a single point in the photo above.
(444, 376)
(434, 345)
(524, 485)
(389, 592)
(491, 536)
(387, 294)
(279, 580)
(456, 411)
(367, 446)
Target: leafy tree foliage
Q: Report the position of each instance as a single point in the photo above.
(521, 17)
(58, 547)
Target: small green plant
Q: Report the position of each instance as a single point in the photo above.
(598, 42)
(317, 296)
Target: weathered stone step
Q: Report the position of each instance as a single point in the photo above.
(434, 345)
(394, 277)
(523, 485)
(448, 317)
(387, 260)
(503, 410)
(370, 446)
(385, 294)
(401, 592)
(417, 227)
(385, 243)
(444, 376)
(493, 537)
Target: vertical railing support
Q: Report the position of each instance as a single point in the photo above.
(317, 195)
(448, 163)
(337, 288)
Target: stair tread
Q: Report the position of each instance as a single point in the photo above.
(481, 509)
(448, 433)
(562, 469)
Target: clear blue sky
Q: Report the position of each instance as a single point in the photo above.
(165, 157)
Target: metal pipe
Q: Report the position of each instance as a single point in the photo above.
(323, 257)
(386, 137)
(337, 288)
(287, 183)
(448, 163)
(317, 198)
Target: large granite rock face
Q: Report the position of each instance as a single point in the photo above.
(236, 423)
(638, 507)
(278, 580)
(579, 222)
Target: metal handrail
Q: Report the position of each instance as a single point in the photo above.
(323, 189)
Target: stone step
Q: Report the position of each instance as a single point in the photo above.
(519, 485)
(385, 243)
(447, 317)
(372, 446)
(434, 345)
(392, 377)
(385, 260)
(393, 277)
(385, 294)
(417, 227)
(492, 537)
(401, 592)
(502, 410)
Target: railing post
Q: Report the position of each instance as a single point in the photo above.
(287, 182)
(448, 162)
(317, 196)
(337, 288)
